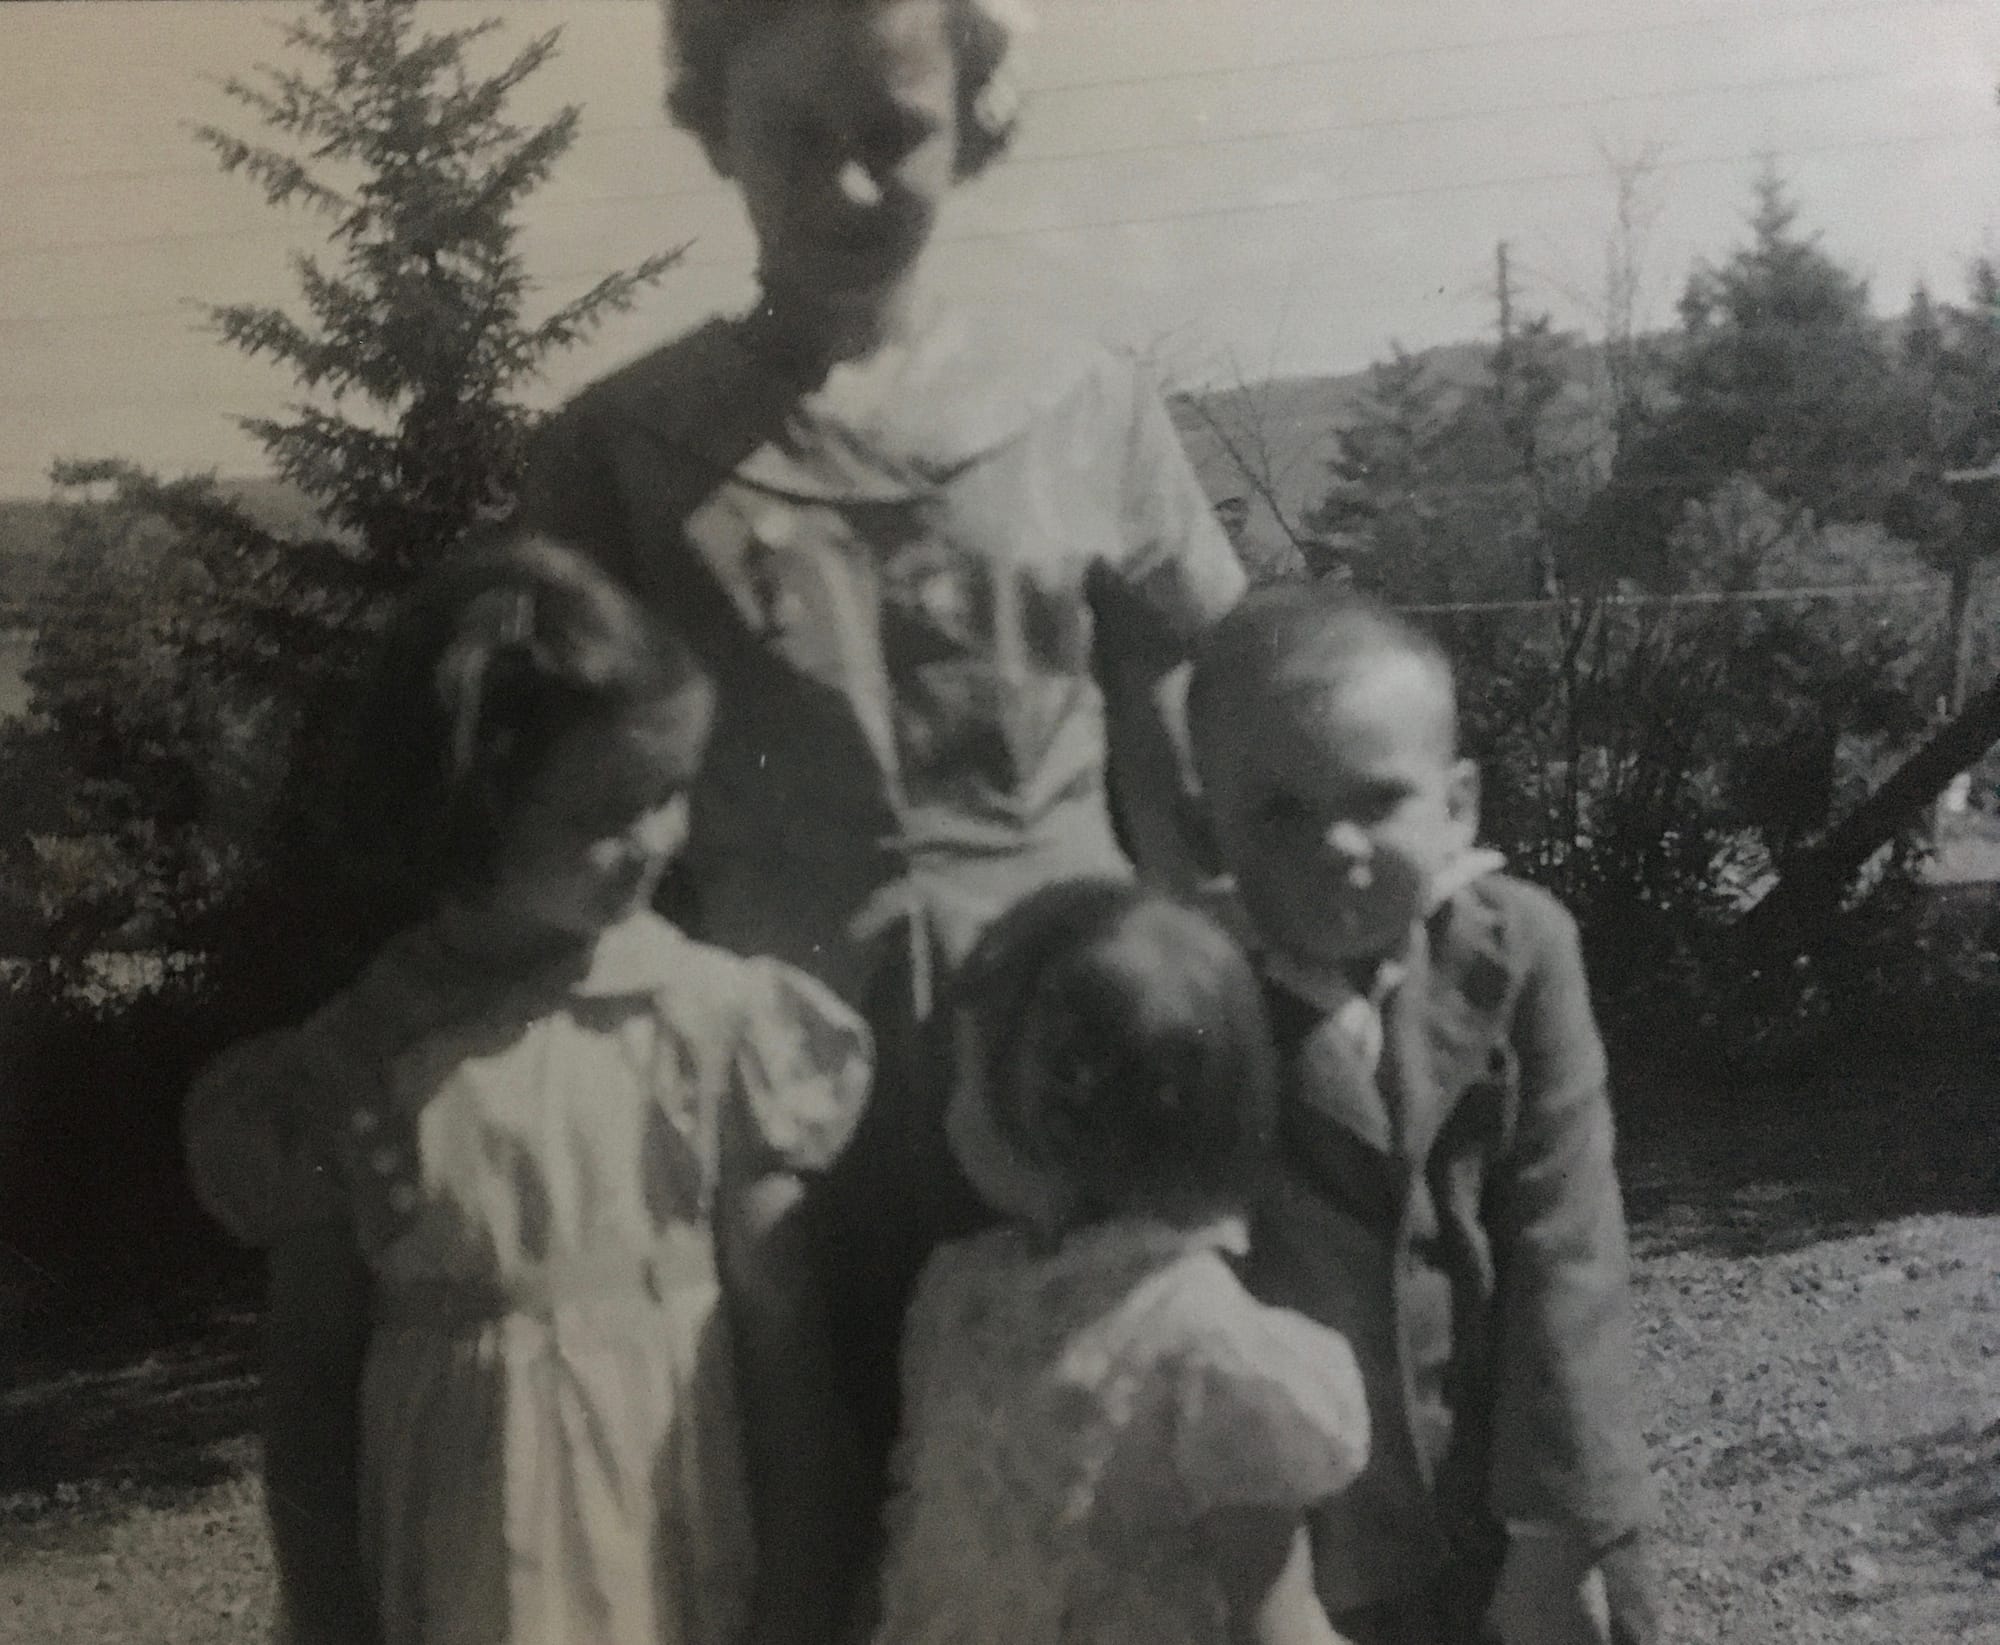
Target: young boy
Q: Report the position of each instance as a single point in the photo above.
(1447, 1199)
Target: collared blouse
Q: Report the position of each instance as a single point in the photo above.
(915, 584)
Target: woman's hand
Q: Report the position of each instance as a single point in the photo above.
(1549, 1593)
(1265, 1563)
(805, 1478)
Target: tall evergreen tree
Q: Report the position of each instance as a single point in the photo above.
(413, 350)
(1428, 501)
(1780, 374)
(417, 337)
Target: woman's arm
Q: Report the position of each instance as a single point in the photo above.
(800, 1448)
(1151, 775)
(1177, 576)
(316, 1335)
(1266, 1563)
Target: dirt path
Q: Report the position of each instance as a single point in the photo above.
(1818, 1283)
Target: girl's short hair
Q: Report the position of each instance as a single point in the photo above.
(1155, 1077)
(493, 659)
(702, 35)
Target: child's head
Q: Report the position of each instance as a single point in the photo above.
(844, 122)
(1325, 732)
(1114, 1057)
(530, 738)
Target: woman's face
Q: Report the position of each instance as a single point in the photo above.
(843, 136)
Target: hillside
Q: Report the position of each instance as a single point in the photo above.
(1269, 443)
(31, 531)
(31, 550)
(1282, 428)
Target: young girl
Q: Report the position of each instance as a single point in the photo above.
(540, 1332)
(1107, 1439)
(944, 567)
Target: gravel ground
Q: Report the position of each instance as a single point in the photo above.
(1818, 1284)
(1827, 1437)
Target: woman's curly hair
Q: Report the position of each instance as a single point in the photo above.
(701, 35)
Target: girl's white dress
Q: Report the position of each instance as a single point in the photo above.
(1073, 1413)
(529, 1166)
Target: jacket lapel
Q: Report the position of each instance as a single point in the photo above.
(1440, 1028)
(1442, 1025)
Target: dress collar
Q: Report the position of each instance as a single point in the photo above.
(632, 957)
(1147, 1241)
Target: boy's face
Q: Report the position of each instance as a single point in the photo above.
(843, 136)
(1337, 803)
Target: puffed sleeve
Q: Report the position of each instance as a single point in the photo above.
(1270, 1415)
(259, 1132)
(1179, 573)
(802, 1070)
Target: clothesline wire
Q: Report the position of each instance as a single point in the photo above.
(1052, 156)
(1160, 219)
(1846, 145)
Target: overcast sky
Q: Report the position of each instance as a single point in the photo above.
(1262, 187)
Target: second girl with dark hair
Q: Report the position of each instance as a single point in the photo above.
(1107, 1439)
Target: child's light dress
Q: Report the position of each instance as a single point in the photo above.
(1074, 1412)
(529, 1166)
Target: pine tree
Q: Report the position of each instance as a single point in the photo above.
(1382, 468)
(413, 351)
(1443, 481)
(1950, 368)
(417, 337)
(1780, 375)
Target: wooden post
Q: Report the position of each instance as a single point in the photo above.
(1978, 494)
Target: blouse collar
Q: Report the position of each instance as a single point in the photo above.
(958, 388)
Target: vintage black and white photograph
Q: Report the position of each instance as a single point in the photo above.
(1000, 822)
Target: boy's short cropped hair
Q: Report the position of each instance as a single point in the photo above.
(1299, 636)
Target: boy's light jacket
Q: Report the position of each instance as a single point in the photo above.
(1457, 1217)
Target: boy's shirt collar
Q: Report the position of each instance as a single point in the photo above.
(1335, 991)
(1463, 870)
